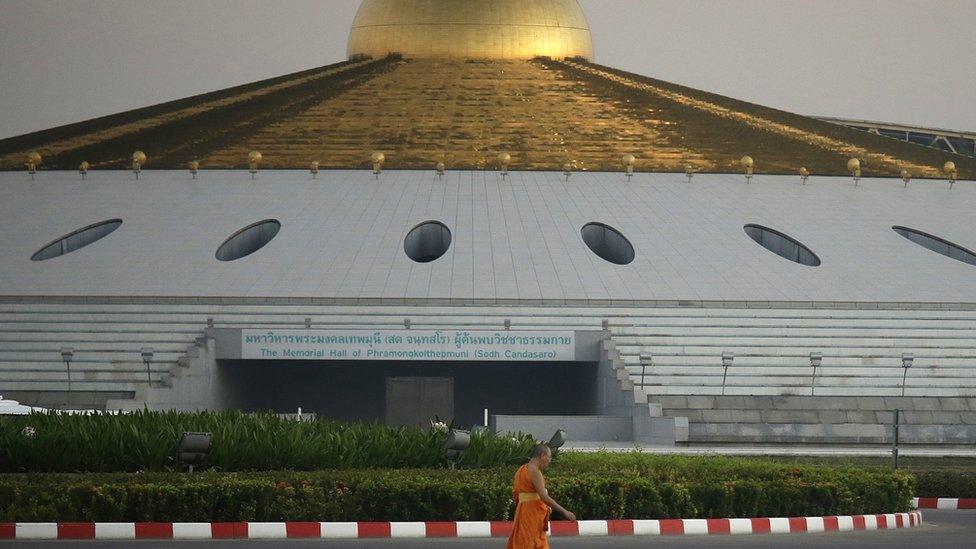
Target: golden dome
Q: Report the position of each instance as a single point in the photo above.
(471, 29)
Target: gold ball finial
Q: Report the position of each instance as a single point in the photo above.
(33, 161)
(804, 172)
(194, 168)
(853, 165)
(629, 160)
(254, 156)
(439, 167)
(906, 176)
(138, 159)
(504, 158)
(950, 170)
(378, 159)
(83, 169)
(747, 164)
(313, 168)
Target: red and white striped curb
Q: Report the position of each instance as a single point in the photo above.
(353, 530)
(945, 503)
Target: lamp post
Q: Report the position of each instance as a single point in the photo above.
(815, 360)
(147, 356)
(907, 359)
(646, 359)
(727, 358)
(67, 355)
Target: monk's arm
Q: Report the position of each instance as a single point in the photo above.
(540, 487)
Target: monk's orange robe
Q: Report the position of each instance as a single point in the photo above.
(531, 514)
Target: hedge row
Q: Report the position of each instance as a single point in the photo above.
(946, 484)
(146, 441)
(412, 495)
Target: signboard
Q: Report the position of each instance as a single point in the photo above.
(426, 345)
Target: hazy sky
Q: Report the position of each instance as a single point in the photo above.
(905, 61)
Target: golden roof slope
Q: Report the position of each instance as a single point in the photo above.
(463, 113)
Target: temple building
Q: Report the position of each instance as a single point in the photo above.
(473, 219)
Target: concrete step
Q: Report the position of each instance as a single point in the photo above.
(770, 340)
(815, 403)
(865, 390)
(632, 353)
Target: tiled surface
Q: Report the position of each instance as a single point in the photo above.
(342, 236)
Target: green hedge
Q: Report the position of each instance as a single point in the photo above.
(423, 495)
(946, 484)
(146, 441)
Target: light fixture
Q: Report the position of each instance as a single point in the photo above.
(727, 358)
(83, 169)
(557, 441)
(147, 356)
(906, 177)
(816, 359)
(804, 175)
(193, 448)
(907, 360)
(439, 170)
(646, 360)
(457, 442)
(314, 169)
(67, 355)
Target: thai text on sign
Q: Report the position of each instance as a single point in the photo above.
(442, 345)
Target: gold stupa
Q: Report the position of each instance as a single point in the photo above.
(471, 29)
(458, 82)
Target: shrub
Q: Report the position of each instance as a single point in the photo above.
(946, 484)
(425, 495)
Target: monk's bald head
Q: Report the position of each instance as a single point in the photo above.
(540, 450)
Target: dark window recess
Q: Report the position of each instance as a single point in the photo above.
(938, 245)
(607, 243)
(427, 242)
(77, 240)
(248, 240)
(782, 245)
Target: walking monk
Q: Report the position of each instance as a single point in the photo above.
(534, 503)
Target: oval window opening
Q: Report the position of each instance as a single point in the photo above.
(782, 245)
(77, 240)
(938, 245)
(427, 242)
(608, 243)
(248, 240)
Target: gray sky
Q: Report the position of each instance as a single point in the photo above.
(907, 61)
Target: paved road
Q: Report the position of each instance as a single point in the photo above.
(944, 529)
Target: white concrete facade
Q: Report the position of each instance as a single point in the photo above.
(513, 242)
